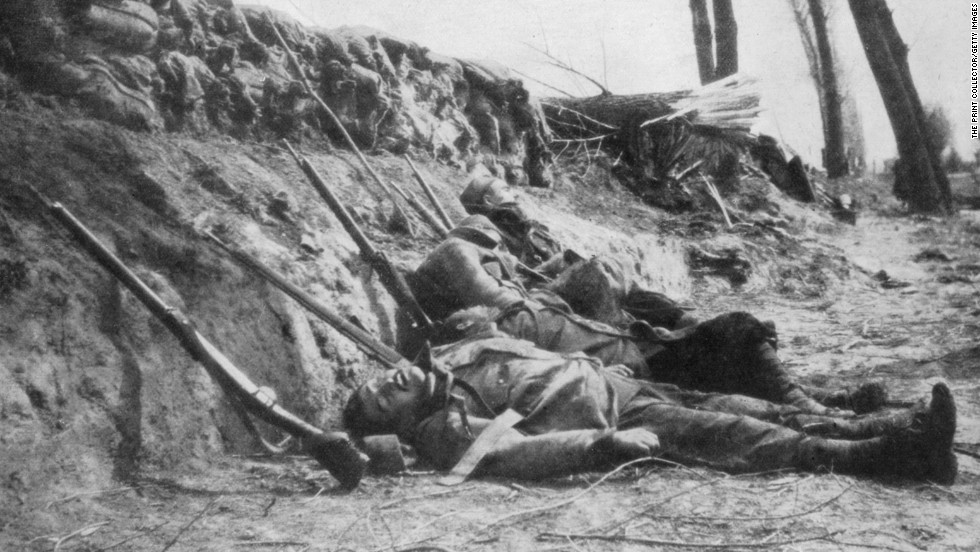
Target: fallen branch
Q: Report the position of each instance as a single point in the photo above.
(187, 526)
(681, 544)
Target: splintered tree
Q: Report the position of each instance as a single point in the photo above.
(723, 61)
(835, 160)
(919, 177)
(840, 134)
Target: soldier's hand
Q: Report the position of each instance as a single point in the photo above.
(634, 443)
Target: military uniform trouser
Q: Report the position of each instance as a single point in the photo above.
(740, 434)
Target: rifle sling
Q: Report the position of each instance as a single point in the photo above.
(482, 446)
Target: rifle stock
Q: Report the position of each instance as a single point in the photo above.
(332, 450)
(392, 280)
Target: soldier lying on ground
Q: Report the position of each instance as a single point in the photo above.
(580, 415)
(732, 353)
(596, 288)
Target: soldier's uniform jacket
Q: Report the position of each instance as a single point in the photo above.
(571, 401)
(459, 274)
(568, 402)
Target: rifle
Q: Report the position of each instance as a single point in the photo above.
(367, 342)
(393, 281)
(430, 194)
(333, 451)
(427, 215)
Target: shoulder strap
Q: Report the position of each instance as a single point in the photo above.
(482, 446)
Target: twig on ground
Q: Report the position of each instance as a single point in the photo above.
(314, 497)
(132, 537)
(83, 532)
(959, 449)
(567, 501)
(863, 545)
(637, 513)
(816, 508)
(417, 541)
(656, 542)
(184, 529)
(92, 493)
(397, 501)
(272, 543)
(265, 511)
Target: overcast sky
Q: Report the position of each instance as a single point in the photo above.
(646, 45)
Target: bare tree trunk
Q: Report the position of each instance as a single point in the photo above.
(703, 40)
(726, 40)
(916, 180)
(801, 13)
(835, 159)
(900, 53)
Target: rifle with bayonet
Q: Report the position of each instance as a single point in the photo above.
(333, 451)
(393, 280)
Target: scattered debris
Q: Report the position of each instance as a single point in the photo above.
(886, 281)
(932, 254)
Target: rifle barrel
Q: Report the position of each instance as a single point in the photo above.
(367, 342)
(393, 281)
(341, 212)
(430, 194)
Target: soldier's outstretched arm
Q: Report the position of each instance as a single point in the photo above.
(516, 455)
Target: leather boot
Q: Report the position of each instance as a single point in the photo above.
(869, 397)
(921, 451)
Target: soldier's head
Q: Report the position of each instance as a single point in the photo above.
(479, 230)
(594, 288)
(484, 193)
(392, 403)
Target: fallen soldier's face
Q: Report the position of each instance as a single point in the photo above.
(393, 399)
